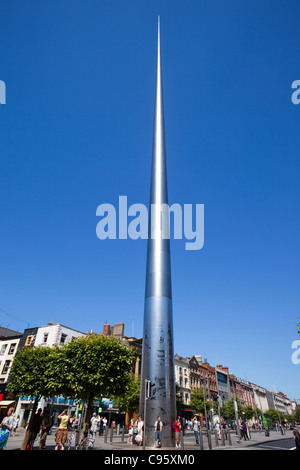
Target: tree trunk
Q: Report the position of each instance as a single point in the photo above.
(27, 433)
(88, 412)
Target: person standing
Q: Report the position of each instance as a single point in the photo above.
(177, 432)
(297, 439)
(217, 427)
(46, 425)
(95, 422)
(130, 432)
(183, 426)
(245, 433)
(140, 426)
(104, 422)
(34, 428)
(195, 424)
(158, 431)
(6, 427)
(62, 432)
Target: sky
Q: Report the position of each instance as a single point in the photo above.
(76, 132)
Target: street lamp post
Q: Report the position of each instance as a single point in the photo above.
(237, 419)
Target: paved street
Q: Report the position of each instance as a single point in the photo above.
(258, 441)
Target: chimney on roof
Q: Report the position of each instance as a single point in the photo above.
(106, 329)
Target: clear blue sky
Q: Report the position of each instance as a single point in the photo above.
(77, 132)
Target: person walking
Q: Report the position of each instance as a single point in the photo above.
(297, 439)
(46, 425)
(34, 429)
(95, 423)
(245, 433)
(158, 431)
(6, 427)
(177, 432)
(62, 432)
(195, 425)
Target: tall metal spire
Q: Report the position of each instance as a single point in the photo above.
(158, 351)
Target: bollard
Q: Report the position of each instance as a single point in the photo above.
(222, 437)
(105, 436)
(181, 441)
(111, 434)
(229, 437)
(216, 438)
(123, 432)
(209, 440)
(200, 440)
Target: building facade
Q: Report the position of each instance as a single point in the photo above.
(260, 398)
(9, 342)
(182, 378)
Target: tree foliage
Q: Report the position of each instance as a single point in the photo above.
(29, 374)
(198, 402)
(129, 400)
(84, 368)
(91, 366)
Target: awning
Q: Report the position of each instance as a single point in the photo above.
(6, 402)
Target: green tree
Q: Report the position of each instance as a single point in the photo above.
(29, 376)
(90, 367)
(198, 403)
(227, 410)
(297, 414)
(273, 413)
(129, 400)
(249, 412)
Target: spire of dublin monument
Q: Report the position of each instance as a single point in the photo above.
(158, 376)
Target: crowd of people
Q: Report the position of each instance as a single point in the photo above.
(42, 423)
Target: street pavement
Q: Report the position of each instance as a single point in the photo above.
(258, 441)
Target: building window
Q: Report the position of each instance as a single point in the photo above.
(5, 367)
(63, 338)
(12, 348)
(2, 350)
(45, 337)
(29, 340)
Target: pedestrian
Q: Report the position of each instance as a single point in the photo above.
(130, 432)
(15, 425)
(195, 425)
(72, 422)
(245, 431)
(62, 432)
(95, 422)
(158, 431)
(101, 426)
(297, 439)
(183, 425)
(135, 431)
(6, 427)
(46, 424)
(35, 427)
(177, 432)
(140, 426)
(104, 423)
(217, 427)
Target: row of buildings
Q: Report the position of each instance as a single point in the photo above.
(217, 382)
